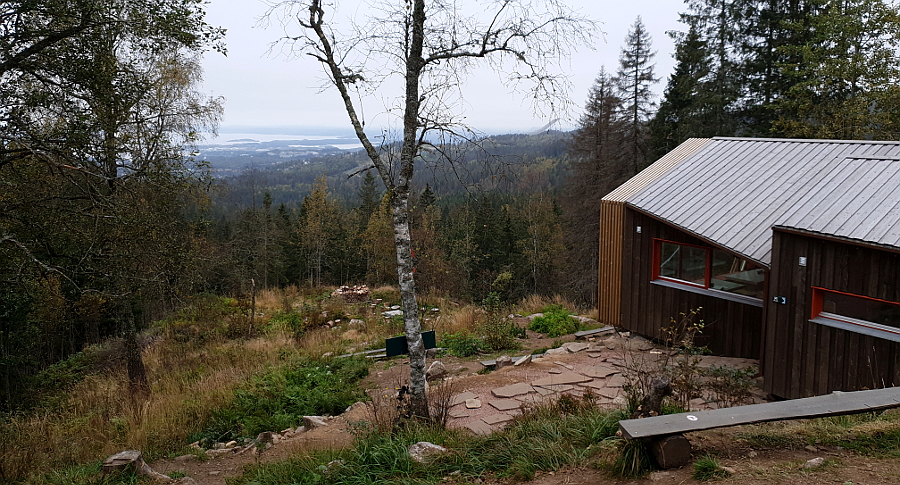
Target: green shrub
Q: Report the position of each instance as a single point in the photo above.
(293, 321)
(499, 333)
(555, 322)
(280, 398)
(462, 344)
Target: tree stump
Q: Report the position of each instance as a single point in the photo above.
(671, 451)
(660, 387)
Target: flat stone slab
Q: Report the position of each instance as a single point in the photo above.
(462, 397)
(599, 371)
(567, 366)
(576, 346)
(532, 399)
(555, 371)
(544, 390)
(479, 428)
(593, 384)
(615, 381)
(458, 414)
(505, 404)
(609, 392)
(513, 390)
(473, 403)
(497, 418)
(564, 378)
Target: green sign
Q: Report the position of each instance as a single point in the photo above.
(398, 345)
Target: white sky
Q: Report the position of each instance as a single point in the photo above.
(264, 90)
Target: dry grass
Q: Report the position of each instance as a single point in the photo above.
(535, 303)
(99, 418)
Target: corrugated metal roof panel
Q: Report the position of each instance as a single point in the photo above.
(735, 190)
(655, 170)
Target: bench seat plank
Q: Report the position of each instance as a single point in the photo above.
(834, 404)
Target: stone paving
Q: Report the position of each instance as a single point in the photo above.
(574, 368)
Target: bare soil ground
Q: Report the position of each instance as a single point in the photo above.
(752, 465)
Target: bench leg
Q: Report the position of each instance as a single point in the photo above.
(671, 451)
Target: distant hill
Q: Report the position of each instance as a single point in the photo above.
(496, 163)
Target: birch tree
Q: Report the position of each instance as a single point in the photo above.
(424, 49)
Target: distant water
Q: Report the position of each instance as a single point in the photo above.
(342, 142)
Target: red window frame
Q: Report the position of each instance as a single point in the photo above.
(707, 269)
(816, 310)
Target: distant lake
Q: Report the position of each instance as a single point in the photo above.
(342, 142)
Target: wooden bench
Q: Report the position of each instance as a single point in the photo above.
(667, 430)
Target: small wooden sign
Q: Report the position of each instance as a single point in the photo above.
(398, 346)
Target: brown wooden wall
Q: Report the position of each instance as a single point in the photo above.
(732, 329)
(805, 358)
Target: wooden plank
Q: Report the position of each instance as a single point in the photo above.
(835, 404)
(596, 331)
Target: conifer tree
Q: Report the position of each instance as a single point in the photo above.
(687, 109)
(636, 76)
(597, 167)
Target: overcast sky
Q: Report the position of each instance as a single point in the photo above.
(265, 90)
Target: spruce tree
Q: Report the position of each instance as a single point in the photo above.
(635, 76)
(598, 166)
(688, 108)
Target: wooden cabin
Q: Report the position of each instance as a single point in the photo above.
(791, 248)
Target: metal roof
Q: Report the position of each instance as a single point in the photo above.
(732, 191)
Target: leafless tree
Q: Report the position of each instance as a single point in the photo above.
(428, 48)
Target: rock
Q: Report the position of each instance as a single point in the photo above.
(814, 463)
(186, 481)
(185, 458)
(811, 448)
(503, 361)
(218, 453)
(637, 342)
(615, 343)
(752, 454)
(533, 316)
(395, 307)
(352, 294)
(356, 405)
(473, 403)
(659, 476)
(392, 313)
(559, 351)
(431, 353)
(334, 465)
(312, 422)
(423, 450)
(131, 459)
(522, 361)
(576, 346)
(215, 473)
(729, 470)
(357, 323)
(436, 370)
(231, 444)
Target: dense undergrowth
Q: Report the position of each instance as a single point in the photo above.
(281, 397)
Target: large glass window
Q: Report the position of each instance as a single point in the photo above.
(855, 310)
(707, 268)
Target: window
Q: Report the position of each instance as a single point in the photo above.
(703, 267)
(863, 314)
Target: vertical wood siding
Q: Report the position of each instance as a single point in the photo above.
(805, 358)
(732, 329)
